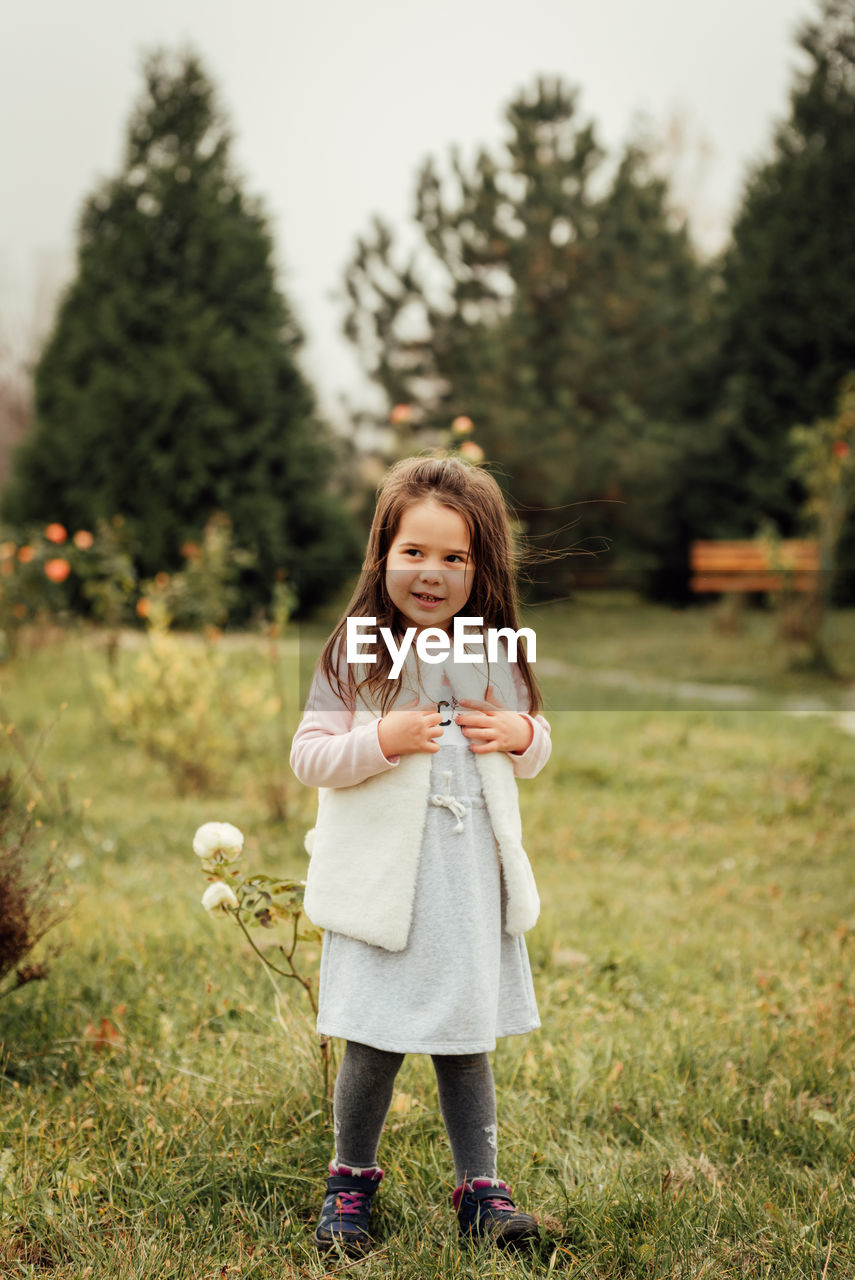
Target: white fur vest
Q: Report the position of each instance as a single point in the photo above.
(366, 842)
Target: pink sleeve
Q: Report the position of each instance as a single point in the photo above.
(326, 750)
(528, 763)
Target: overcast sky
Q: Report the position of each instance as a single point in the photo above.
(335, 103)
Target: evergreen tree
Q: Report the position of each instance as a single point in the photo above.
(169, 388)
(568, 324)
(789, 306)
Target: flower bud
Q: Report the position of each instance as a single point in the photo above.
(218, 897)
(218, 839)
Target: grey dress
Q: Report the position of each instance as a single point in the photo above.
(461, 981)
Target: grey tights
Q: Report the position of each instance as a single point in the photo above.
(467, 1098)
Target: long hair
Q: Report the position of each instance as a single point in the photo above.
(473, 494)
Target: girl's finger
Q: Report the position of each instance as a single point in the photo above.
(486, 708)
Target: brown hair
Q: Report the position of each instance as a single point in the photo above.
(473, 494)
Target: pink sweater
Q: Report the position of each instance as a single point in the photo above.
(327, 752)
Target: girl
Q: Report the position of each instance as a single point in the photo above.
(417, 871)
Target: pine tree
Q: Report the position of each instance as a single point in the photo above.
(789, 324)
(568, 324)
(169, 387)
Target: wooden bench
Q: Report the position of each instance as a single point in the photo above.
(748, 566)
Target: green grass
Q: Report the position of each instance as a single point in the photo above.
(686, 1109)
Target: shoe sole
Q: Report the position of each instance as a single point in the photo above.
(503, 1235)
(353, 1248)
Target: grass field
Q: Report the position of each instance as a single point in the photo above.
(688, 1107)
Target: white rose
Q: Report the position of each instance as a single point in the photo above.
(217, 897)
(217, 837)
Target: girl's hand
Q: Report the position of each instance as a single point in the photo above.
(492, 727)
(410, 730)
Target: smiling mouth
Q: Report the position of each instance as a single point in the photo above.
(426, 598)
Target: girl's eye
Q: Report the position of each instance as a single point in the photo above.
(414, 551)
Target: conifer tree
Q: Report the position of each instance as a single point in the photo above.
(789, 303)
(169, 387)
(563, 310)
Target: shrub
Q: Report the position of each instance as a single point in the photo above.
(27, 910)
(183, 707)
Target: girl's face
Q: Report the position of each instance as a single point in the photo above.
(429, 571)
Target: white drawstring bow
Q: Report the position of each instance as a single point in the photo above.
(448, 801)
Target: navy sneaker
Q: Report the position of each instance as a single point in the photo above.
(346, 1214)
(485, 1211)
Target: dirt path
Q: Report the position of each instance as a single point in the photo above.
(736, 696)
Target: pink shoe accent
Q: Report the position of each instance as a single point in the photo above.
(374, 1174)
(349, 1202)
(475, 1185)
